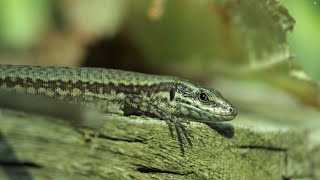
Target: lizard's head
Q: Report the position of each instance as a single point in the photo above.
(203, 105)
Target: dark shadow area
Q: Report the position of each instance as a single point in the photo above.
(253, 147)
(14, 169)
(118, 52)
(144, 169)
(225, 130)
(103, 136)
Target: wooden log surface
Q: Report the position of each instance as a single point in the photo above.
(250, 147)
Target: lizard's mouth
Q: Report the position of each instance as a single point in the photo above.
(210, 114)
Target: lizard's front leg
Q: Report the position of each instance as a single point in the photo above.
(153, 108)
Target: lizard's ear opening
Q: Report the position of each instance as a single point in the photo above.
(172, 93)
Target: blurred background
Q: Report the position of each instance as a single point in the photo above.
(262, 55)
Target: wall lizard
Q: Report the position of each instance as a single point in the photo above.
(174, 100)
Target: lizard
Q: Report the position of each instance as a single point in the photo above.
(175, 100)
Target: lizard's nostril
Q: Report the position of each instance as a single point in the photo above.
(231, 110)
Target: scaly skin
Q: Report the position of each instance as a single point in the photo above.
(172, 99)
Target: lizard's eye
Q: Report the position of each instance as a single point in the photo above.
(203, 97)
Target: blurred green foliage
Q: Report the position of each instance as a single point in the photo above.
(305, 39)
(23, 22)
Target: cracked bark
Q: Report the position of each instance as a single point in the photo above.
(38, 147)
(262, 148)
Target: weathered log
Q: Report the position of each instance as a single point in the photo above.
(39, 147)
